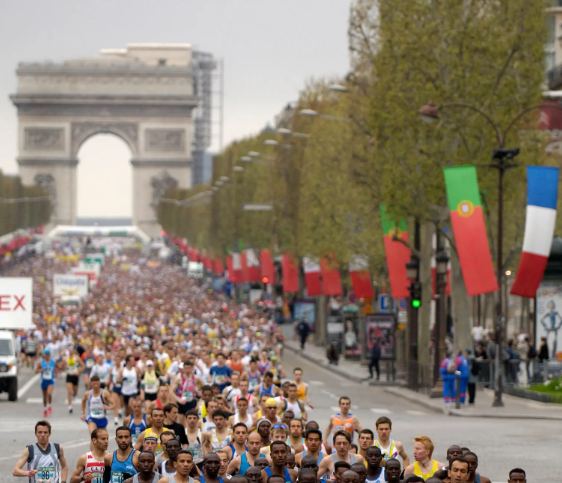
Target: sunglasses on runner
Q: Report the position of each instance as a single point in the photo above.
(277, 426)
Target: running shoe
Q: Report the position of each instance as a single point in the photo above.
(45, 413)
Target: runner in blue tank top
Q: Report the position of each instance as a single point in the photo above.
(46, 367)
(278, 455)
(211, 468)
(123, 461)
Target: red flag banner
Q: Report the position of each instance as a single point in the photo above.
(330, 277)
(312, 277)
(361, 277)
(290, 274)
(252, 266)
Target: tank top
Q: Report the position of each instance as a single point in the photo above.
(345, 424)
(245, 464)
(217, 443)
(95, 406)
(263, 391)
(388, 453)
(150, 382)
(249, 399)
(95, 466)
(287, 475)
(320, 455)
(121, 470)
(195, 448)
(263, 368)
(379, 479)
(301, 391)
(237, 366)
(151, 434)
(425, 476)
(72, 366)
(46, 462)
(248, 421)
(163, 471)
(235, 453)
(186, 389)
(47, 370)
(89, 362)
(276, 375)
(157, 476)
(322, 451)
(137, 429)
(253, 382)
(130, 381)
(31, 346)
(295, 407)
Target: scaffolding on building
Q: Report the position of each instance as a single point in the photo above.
(204, 66)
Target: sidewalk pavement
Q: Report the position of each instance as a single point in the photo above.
(352, 370)
(514, 408)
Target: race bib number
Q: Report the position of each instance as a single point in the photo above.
(89, 363)
(117, 477)
(97, 412)
(47, 374)
(45, 474)
(129, 380)
(98, 477)
(188, 396)
(220, 379)
(253, 384)
(151, 388)
(196, 452)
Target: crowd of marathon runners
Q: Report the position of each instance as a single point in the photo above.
(191, 386)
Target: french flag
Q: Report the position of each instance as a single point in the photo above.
(542, 195)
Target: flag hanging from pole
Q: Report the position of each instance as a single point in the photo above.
(469, 228)
(542, 197)
(290, 274)
(267, 268)
(330, 276)
(312, 276)
(397, 254)
(361, 277)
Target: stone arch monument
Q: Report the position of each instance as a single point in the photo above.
(143, 94)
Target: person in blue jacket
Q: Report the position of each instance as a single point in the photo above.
(463, 367)
(448, 376)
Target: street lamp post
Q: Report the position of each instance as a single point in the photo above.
(501, 160)
(441, 266)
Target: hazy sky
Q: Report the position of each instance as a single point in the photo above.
(270, 49)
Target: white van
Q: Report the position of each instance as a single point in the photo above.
(8, 365)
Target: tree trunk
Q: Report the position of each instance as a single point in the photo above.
(424, 324)
(461, 307)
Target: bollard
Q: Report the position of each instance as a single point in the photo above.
(457, 390)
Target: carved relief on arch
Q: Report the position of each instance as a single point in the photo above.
(128, 131)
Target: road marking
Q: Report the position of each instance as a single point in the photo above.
(416, 413)
(316, 383)
(329, 394)
(28, 385)
(354, 406)
(381, 411)
(39, 400)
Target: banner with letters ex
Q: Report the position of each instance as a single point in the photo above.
(16, 303)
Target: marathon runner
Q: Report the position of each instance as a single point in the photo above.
(124, 461)
(164, 397)
(117, 397)
(103, 370)
(32, 346)
(253, 401)
(149, 384)
(392, 470)
(238, 446)
(312, 447)
(241, 463)
(389, 447)
(170, 418)
(46, 367)
(343, 420)
(91, 466)
(292, 403)
(171, 449)
(424, 465)
(220, 436)
(129, 377)
(74, 367)
(473, 476)
(211, 469)
(89, 362)
(136, 422)
(302, 387)
(342, 444)
(185, 389)
(375, 472)
(44, 462)
(154, 432)
(184, 466)
(241, 415)
(146, 472)
(279, 451)
(296, 438)
(96, 401)
(194, 436)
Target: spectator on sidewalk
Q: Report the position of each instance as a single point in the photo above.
(473, 370)
(543, 351)
(332, 354)
(531, 356)
(375, 358)
(303, 329)
(523, 350)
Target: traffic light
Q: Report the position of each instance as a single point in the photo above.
(415, 295)
(265, 280)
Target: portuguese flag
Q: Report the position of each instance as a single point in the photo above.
(467, 219)
(397, 255)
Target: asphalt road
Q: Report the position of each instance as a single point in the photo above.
(500, 444)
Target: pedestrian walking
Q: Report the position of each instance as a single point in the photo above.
(303, 329)
(473, 370)
(332, 354)
(375, 358)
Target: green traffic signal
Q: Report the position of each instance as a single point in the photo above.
(416, 303)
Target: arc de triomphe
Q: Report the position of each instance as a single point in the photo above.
(143, 94)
